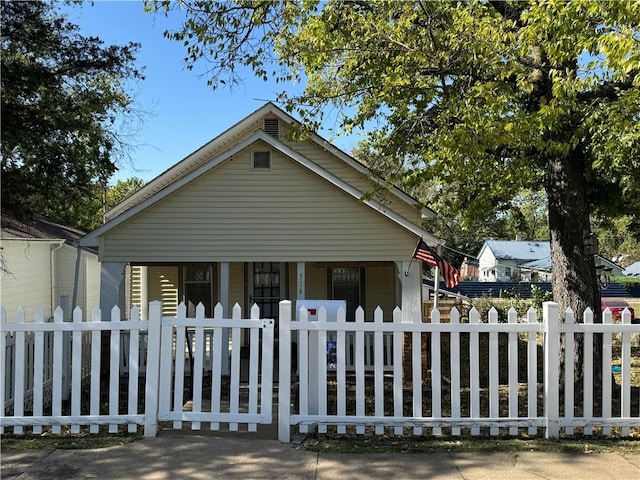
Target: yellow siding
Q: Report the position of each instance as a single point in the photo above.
(65, 264)
(237, 214)
(28, 285)
(92, 298)
(163, 286)
(329, 162)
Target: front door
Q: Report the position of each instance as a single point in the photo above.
(267, 287)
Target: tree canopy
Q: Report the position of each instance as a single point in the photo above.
(62, 94)
(87, 213)
(487, 98)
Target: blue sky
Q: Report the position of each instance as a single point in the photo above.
(183, 113)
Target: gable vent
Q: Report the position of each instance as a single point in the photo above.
(271, 127)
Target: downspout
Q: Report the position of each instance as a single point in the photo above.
(52, 271)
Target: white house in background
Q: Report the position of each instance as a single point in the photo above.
(501, 260)
(528, 261)
(256, 216)
(42, 264)
(632, 270)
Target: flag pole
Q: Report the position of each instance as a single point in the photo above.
(406, 272)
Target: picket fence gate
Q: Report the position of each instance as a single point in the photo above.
(375, 381)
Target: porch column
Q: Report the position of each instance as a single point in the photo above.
(224, 301)
(224, 287)
(410, 279)
(111, 287)
(301, 281)
(411, 286)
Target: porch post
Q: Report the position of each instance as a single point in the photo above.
(224, 301)
(300, 290)
(111, 286)
(411, 289)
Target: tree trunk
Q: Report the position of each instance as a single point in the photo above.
(574, 279)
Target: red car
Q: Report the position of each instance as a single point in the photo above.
(616, 307)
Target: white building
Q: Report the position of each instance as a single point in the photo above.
(44, 268)
(517, 261)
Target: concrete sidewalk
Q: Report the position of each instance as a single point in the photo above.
(179, 455)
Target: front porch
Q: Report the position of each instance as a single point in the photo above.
(370, 284)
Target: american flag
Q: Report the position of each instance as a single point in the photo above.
(449, 272)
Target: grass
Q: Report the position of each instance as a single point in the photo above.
(67, 441)
(389, 444)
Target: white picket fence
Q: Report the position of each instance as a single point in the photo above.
(368, 385)
(369, 410)
(36, 368)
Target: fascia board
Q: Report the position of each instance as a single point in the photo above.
(174, 172)
(91, 239)
(269, 108)
(353, 163)
(349, 189)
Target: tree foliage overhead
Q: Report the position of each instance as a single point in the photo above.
(61, 96)
(88, 212)
(488, 98)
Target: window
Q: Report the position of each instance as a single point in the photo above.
(507, 271)
(261, 160)
(198, 288)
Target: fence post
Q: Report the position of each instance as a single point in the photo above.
(284, 372)
(153, 370)
(551, 367)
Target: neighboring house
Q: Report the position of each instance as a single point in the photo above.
(41, 265)
(502, 260)
(632, 270)
(529, 261)
(469, 270)
(254, 217)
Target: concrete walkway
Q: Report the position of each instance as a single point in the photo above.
(194, 455)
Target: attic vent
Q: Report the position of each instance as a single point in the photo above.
(271, 127)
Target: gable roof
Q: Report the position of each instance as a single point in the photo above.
(632, 270)
(227, 138)
(38, 228)
(535, 255)
(144, 201)
(517, 250)
(544, 264)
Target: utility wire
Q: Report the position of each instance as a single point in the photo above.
(460, 252)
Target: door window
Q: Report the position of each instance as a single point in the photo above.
(267, 288)
(346, 284)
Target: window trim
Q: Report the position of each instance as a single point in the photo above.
(253, 160)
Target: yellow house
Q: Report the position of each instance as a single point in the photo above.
(43, 268)
(254, 216)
